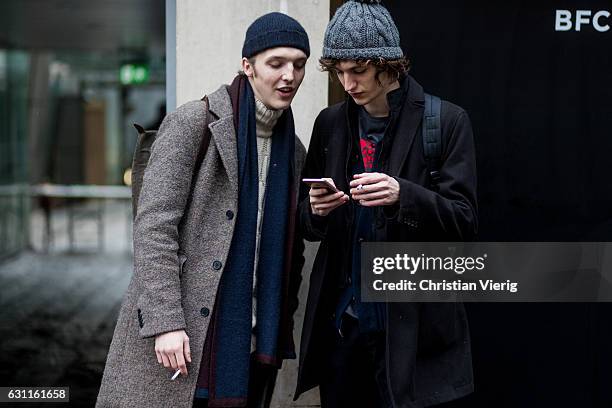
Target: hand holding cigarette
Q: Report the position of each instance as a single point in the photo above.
(172, 350)
(374, 189)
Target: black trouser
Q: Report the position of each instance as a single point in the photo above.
(261, 386)
(355, 373)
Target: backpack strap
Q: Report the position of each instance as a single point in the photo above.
(432, 138)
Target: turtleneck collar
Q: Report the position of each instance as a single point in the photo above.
(265, 119)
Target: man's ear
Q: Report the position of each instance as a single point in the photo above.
(387, 79)
(247, 67)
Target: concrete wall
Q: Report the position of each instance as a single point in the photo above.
(208, 39)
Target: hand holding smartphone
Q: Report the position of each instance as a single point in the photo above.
(324, 196)
(321, 183)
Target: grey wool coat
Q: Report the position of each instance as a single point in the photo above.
(180, 247)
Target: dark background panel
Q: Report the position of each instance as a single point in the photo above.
(540, 102)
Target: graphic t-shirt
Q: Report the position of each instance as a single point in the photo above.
(371, 132)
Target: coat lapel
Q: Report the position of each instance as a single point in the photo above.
(338, 146)
(408, 125)
(223, 132)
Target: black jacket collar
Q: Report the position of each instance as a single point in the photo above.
(409, 118)
(406, 110)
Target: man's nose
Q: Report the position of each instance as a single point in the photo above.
(288, 74)
(349, 84)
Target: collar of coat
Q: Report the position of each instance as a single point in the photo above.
(406, 109)
(223, 132)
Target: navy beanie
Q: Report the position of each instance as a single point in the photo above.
(274, 30)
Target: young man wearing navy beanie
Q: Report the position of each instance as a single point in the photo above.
(393, 187)
(217, 259)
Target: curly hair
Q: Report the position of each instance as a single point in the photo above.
(394, 68)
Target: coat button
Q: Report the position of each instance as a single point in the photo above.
(229, 214)
(204, 311)
(217, 265)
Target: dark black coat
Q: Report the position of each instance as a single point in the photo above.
(428, 355)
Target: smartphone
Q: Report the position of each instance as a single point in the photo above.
(319, 182)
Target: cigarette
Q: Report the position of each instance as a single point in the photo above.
(175, 375)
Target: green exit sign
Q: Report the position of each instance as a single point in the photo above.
(133, 74)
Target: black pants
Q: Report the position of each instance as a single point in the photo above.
(355, 374)
(262, 379)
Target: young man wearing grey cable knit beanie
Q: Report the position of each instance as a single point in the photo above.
(391, 188)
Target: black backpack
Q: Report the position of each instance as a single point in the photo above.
(432, 139)
(142, 152)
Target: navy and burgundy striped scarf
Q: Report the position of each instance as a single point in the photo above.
(224, 371)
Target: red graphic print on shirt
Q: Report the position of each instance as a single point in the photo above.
(368, 151)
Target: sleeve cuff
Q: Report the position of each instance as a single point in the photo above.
(318, 222)
(315, 226)
(160, 324)
(406, 207)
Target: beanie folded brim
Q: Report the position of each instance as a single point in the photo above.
(267, 40)
(388, 53)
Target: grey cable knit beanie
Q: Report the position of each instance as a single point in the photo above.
(362, 29)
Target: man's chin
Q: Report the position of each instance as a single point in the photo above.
(280, 105)
(361, 101)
